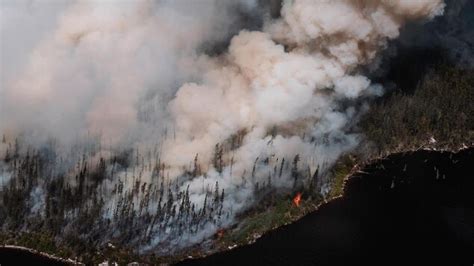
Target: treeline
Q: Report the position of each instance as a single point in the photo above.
(128, 199)
(439, 110)
(38, 198)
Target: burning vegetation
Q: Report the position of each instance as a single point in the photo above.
(297, 199)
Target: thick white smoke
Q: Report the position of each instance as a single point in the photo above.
(89, 73)
(116, 70)
(292, 76)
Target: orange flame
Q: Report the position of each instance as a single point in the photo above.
(297, 199)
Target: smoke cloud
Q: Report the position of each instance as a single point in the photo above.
(134, 75)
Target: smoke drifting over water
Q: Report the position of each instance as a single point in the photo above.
(132, 75)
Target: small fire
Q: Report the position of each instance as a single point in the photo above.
(297, 199)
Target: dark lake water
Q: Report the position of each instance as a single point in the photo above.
(402, 211)
(9, 256)
(408, 209)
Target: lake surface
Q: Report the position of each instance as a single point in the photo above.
(412, 208)
(11, 256)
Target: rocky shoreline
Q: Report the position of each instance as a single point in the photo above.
(409, 189)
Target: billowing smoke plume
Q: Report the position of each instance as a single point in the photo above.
(98, 63)
(279, 101)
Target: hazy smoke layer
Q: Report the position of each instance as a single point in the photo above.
(91, 70)
(131, 75)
